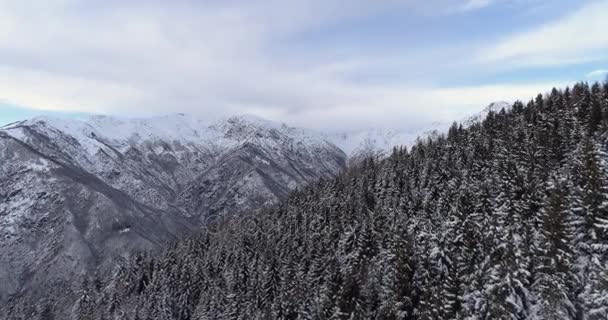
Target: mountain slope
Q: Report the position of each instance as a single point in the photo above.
(77, 195)
(504, 219)
(494, 107)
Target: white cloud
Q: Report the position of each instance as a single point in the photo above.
(476, 4)
(222, 58)
(576, 38)
(57, 92)
(408, 107)
(597, 73)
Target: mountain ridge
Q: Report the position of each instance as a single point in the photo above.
(503, 219)
(189, 128)
(78, 194)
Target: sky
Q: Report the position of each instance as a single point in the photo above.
(322, 64)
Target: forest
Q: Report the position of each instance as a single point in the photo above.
(505, 219)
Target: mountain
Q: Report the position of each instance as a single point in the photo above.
(494, 107)
(379, 143)
(506, 218)
(75, 195)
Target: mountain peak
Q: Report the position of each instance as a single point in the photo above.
(495, 107)
(246, 121)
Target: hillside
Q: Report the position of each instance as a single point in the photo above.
(77, 195)
(505, 219)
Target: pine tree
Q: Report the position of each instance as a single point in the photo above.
(83, 308)
(555, 272)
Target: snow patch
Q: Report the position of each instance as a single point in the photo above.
(41, 165)
(16, 132)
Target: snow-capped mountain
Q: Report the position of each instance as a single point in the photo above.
(77, 194)
(493, 107)
(379, 142)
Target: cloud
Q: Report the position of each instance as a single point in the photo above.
(226, 57)
(412, 108)
(63, 93)
(10, 113)
(597, 73)
(576, 38)
(476, 4)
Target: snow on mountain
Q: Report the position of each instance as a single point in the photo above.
(353, 143)
(76, 194)
(98, 131)
(152, 160)
(380, 142)
(493, 107)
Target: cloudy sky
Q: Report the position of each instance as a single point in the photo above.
(325, 64)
